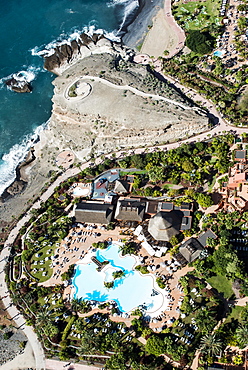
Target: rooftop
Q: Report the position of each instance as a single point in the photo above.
(130, 209)
(164, 225)
(191, 249)
(240, 154)
(94, 212)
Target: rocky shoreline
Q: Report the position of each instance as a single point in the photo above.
(111, 118)
(70, 53)
(22, 177)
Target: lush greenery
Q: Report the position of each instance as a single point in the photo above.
(224, 96)
(142, 268)
(118, 274)
(195, 15)
(69, 273)
(199, 42)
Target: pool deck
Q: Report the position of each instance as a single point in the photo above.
(82, 249)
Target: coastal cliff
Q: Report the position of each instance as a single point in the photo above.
(66, 55)
(103, 102)
(127, 106)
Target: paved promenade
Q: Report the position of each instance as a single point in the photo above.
(61, 365)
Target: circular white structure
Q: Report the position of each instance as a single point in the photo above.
(78, 90)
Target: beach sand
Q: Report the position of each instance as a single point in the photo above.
(155, 30)
(168, 39)
(137, 30)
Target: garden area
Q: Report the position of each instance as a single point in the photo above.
(222, 285)
(197, 15)
(225, 96)
(59, 322)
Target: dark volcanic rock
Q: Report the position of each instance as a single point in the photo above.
(65, 52)
(52, 62)
(75, 46)
(16, 187)
(19, 86)
(85, 39)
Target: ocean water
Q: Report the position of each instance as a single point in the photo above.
(28, 29)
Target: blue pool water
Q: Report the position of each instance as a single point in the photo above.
(219, 53)
(128, 292)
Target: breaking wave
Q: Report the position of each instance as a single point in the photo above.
(15, 156)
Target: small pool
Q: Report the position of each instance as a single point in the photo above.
(219, 53)
(78, 191)
(129, 292)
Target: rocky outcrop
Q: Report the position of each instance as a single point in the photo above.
(16, 187)
(67, 54)
(22, 176)
(20, 86)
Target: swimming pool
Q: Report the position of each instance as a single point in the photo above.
(219, 53)
(78, 191)
(129, 292)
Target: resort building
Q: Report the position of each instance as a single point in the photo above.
(94, 212)
(193, 247)
(130, 209)
(165, 225)
(121, 187)
(240, 155)
(234, 191)
(169, 220)
(190, 250)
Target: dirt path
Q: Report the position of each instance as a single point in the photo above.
(133, 90)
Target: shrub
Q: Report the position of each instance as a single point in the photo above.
(142, 269)
(68, 327)
(7, 335)
(160, 283)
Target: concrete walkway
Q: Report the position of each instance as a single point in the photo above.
(61, 365)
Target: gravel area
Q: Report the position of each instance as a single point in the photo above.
(10, 348)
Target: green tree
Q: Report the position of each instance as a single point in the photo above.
(187, 166)
(155, 345)
(199, 42)
(204, 200)
(242, 335)
(116, 362)
(75, 305)
(210, 345)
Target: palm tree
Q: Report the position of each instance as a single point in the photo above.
(210, 345)
(242, 335)
(42, 318)
(76, 305)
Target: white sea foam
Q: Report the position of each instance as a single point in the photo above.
(129, 7)
(23, 76)
(15, 156)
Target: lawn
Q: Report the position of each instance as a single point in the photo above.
(222, 284)
(197, 15)
(137, 172)
(46, 265)
(235, 314)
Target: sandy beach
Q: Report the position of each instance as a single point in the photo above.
(155, 30)
(138, 29)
